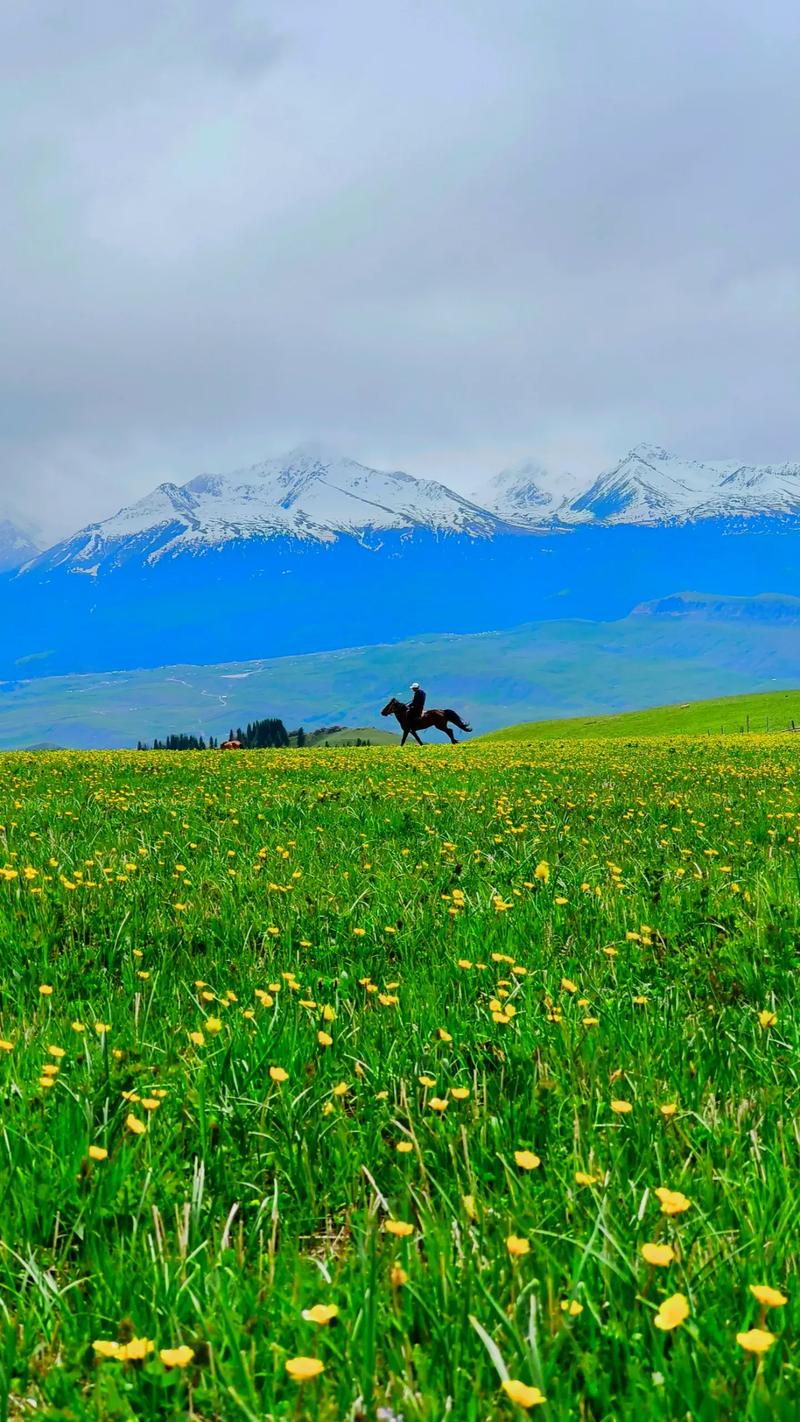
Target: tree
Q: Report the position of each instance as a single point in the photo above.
(301, 737)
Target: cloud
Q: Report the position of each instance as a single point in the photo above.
(441, 236)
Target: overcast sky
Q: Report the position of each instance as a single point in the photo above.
(439, 234)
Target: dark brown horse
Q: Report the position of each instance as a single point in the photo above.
(436, 720)
(231, 745)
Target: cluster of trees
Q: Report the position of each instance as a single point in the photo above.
(180, 743)
(259, 735)
(267, 734)
(262, 735)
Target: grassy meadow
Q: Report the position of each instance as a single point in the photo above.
(360, 1084)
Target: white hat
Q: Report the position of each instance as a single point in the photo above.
(415, 686)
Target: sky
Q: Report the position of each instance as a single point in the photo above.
(439, 235)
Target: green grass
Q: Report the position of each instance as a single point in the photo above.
(529, 933)
(726, 715)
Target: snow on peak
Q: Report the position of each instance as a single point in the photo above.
(311, 493)
(528, 493)
(650, 485)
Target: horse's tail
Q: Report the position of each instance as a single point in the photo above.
(457, 721)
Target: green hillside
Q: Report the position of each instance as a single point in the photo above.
(349, 735)
(729, 715)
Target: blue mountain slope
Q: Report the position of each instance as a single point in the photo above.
(283, 596)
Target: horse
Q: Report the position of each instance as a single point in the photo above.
(231, 745)
(437, 720)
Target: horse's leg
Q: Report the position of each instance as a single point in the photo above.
(404, 736)
(416, 738)
(441, 725)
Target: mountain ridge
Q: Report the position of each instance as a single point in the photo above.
(308, 495)
(648, 486)
(313, 494)
(17, 545)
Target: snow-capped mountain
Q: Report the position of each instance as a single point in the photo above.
(751, 490)
(528, 494)
(16, 545)
(649, 486)
(310, 494)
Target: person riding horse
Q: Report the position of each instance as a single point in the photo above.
(413, 717)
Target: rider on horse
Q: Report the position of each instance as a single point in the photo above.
(416, 705)
(412, 718)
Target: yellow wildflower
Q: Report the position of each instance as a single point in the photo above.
(135, 1351)
(301, 1369)
(517, 1246)
(523, 1395)
(673, 1312)
(659, 1255)
(526, 1160)
(176, 1357)
(672, 1201)
(755, 1340)
(767, 1297)
(320, 1313)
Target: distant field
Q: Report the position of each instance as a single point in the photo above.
(727, 715)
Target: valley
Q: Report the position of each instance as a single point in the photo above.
(678, 648)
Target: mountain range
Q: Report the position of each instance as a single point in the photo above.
(316, 494)
(313, 551)
(649, 486)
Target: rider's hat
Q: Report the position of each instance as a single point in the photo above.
(415, 686)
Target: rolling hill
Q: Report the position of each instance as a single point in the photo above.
(762, 711)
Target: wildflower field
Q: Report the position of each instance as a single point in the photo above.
(368, 1084)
